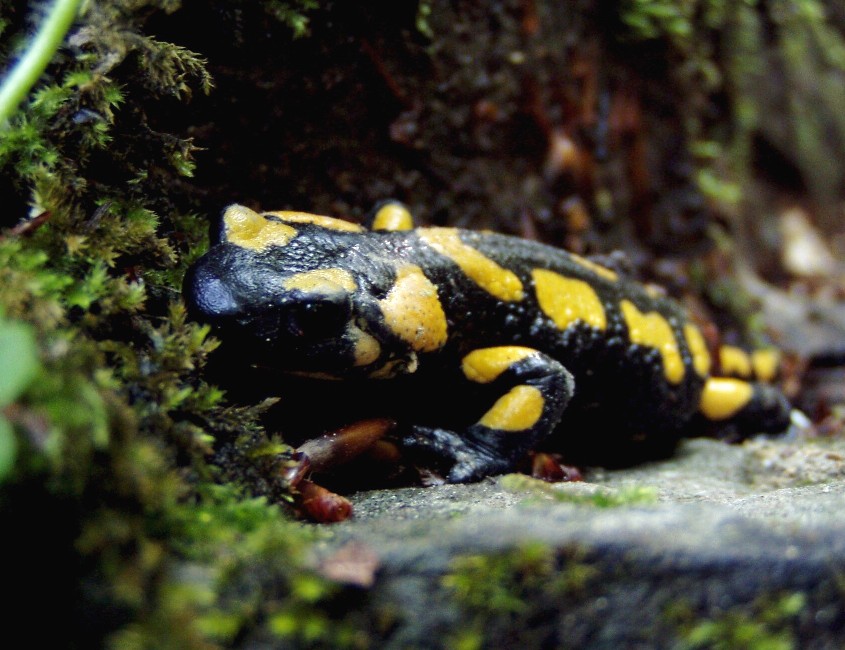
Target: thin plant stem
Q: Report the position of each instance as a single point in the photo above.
(28, 69)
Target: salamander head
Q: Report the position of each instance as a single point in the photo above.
(279, 286)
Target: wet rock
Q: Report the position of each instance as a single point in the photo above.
(719, 542)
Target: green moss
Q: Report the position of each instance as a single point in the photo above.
(115, 436)
(244, 574)
(499, 593)
(294, 13)
(770, 71)
(766, 624)
(600, 498)
(652, 19)
(422, 22)
(717, 188)
(127, 422)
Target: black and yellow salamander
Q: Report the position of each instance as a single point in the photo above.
(520, 346)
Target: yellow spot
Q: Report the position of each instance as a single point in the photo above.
(723, 398)
(491, 277)
(516, 410)
(318, 220)
(698, 349)
(485, 365)
(567, 300)
(413, 311)
(367, 348)
(598, 269)
(766, 364)
(734, 362)
(321, 281)
(653, 330)
(248, 229)
(393, 216)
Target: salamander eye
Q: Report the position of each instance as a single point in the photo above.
(320, 317)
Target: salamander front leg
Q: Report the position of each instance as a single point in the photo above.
(533, 389)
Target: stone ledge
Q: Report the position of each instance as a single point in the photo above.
(720, 550)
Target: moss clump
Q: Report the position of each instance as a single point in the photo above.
(651, 19)
(245, 576)
(766, 624)
(108, 433)
(502, 594)
(600, 498)
(293, 14)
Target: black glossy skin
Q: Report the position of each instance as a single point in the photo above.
(606, 399)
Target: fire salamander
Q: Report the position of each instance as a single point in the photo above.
(520, 346)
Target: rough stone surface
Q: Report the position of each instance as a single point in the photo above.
(730, 535)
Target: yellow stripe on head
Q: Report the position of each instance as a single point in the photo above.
(289, 216)
(321, 280)
(653, 330)
(248, 229)
(723, 398)
(567, 300)
(495, 280)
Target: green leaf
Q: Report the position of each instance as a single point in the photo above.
(18, 360)
(8, 448)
